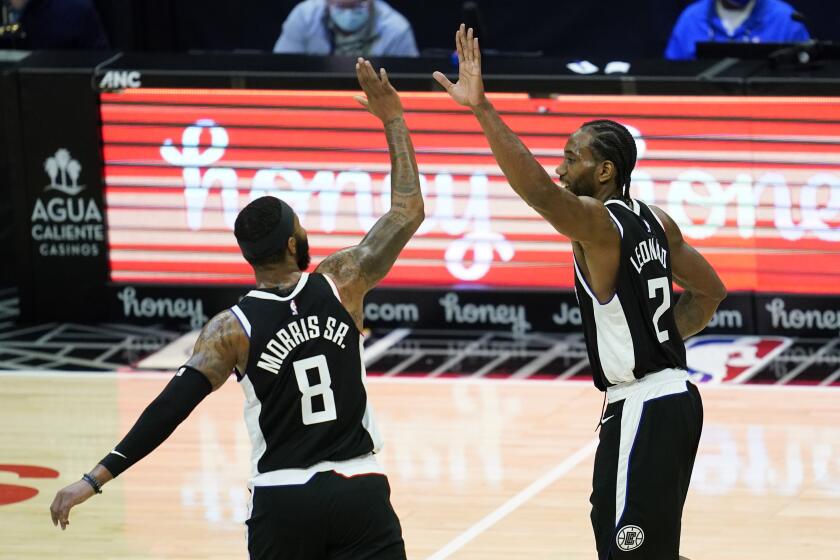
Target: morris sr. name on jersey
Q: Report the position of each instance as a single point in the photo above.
(296, 333)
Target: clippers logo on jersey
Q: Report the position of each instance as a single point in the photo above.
(630, 537)
(733, 359)
(296, 333)
(647, 251)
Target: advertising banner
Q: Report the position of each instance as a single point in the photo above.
(752, 182)
(63, 227)
(520, 312)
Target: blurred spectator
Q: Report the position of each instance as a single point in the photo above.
(54, 24)
(346, 27)
(747, 21)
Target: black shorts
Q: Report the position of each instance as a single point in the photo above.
(330, 517)
(643, 465)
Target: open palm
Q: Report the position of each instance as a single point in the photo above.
(469, 90)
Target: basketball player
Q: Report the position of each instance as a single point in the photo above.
(626, 255)
(294, 342)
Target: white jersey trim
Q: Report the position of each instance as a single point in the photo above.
(333, 286)
(645, 384)
(619, 202)
(655, 215)
(636, 209)
(635, 394)
(252, 409)
(368, 420)
(366, 464)
(612, 335)
(615, 341)
(617, 223)
(243, 320)
(259, 294)
(586, 285)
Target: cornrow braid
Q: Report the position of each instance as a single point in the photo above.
(612, 141)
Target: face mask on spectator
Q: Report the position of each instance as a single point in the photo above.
(350, 19)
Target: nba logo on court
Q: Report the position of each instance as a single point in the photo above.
(731, 359)
(630, 537)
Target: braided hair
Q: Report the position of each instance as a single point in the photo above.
(612, 141)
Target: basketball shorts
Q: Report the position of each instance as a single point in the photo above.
(330, 517)
(648, 442)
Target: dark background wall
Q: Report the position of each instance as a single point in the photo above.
(614, 28)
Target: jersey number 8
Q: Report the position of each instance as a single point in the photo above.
(309, 392)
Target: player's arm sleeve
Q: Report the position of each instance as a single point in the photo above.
(177, 400)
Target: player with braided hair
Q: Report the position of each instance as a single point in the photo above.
(626, 255)
(613, 142)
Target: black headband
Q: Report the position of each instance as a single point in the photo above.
(276, 240)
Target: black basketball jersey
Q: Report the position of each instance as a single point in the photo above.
(634, 333)
(305, 397)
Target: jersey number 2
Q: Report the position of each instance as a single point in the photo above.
(322, 389)
(654, 285)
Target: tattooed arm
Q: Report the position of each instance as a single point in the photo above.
(356, 270)
(221, 345)
(703, 288)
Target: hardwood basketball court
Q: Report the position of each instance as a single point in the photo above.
(480, 469)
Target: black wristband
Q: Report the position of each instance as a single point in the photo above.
(93, 482)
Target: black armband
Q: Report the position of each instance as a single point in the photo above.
(180, 396)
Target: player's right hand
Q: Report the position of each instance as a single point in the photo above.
(380, 98)
(66, 498)
(469, 90)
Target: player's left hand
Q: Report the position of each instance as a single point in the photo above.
(381, 98)
(67, 498)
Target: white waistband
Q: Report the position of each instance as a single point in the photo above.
(646, 383)
(366, 464)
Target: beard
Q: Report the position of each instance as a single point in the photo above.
(303, 258)
(581, 187)
(575, 189)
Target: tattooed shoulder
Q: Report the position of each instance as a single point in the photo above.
(220, 346)
(341, 265)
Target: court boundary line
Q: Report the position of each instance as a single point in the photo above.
(516, 501)
(128, 373)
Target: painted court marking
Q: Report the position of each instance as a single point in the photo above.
(512, 504)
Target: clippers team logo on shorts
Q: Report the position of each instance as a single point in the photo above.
(630, 537)
(731, 359)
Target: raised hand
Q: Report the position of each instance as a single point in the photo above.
(469, 90)
(381, 98)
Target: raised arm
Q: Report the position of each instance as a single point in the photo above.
(221, 345)
(580, 218)
(356, 270)
(692, 272)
